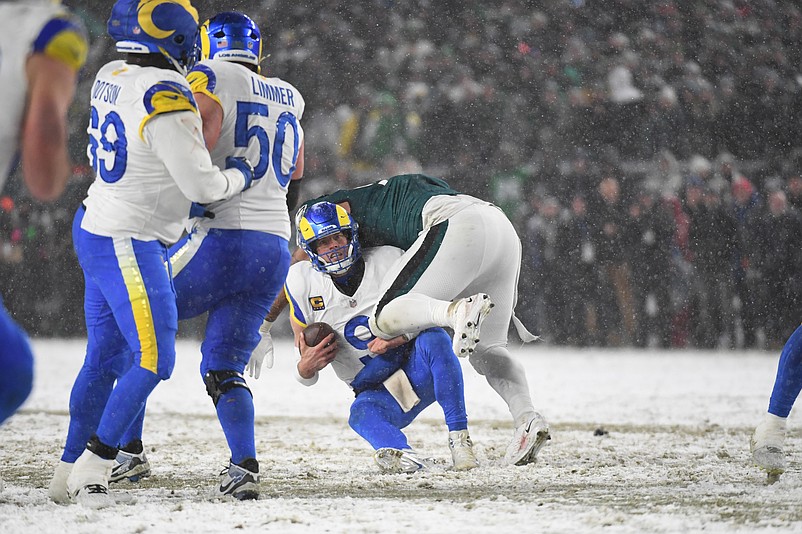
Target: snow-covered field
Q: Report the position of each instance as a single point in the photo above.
(672, 454)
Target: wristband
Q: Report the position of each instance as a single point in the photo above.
(266, 326)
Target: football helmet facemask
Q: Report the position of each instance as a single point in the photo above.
(322, 220)
(169, 27)
(231, 36)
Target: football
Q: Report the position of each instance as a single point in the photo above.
(315, 333)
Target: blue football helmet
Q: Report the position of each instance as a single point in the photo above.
(231, 36)
(169, 27)
(324, 219)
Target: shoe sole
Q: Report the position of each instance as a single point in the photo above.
(134, 475)
(470, 336)
(246, 495)
(391, 461)
(530, 456)
(772, 470)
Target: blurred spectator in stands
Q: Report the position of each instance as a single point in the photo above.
(665, 125)
(698, 99)
(381, 131)
(700, 168)
(681, 269)
(664, 178)
(626, 100)
(649, 237)
(545, 272)
(712, 237)
(748, 209)
(576, 255)
(794, 190)
(779, 238)
(725, 172)
(608, 215)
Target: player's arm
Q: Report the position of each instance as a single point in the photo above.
(211, 113)
(380, 346)
(294, 188)
(281, 300)
(52, 72)
(312, 359)
(176, 138)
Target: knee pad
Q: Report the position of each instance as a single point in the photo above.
(220, 382)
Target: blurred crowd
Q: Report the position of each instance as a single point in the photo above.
(648, 152)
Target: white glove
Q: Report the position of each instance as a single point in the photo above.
(263, 353)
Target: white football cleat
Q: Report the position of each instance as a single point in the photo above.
(57, 490)
(766, 445)
(462, 450)
(527, 441)
(88, 483)
(392, 460)
(467, 316)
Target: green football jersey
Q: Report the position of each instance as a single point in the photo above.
(389, 212)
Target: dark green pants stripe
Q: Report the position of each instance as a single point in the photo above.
(416, 266)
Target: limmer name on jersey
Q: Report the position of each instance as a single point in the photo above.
(282, 95)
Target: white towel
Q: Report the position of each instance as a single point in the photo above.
(401, 389)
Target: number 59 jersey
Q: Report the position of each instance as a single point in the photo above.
(261, 121)
(313, 297)
(134, 194)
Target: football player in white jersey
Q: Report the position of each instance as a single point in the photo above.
(455, 245)
(42, 47)
(234, 262)
(148, 153)
(340, 286)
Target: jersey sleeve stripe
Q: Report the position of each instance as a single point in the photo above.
(63, 39)
(295, 311)
(166, 97)
(203, 80)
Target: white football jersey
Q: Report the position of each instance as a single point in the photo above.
(261, 122)
(25, 27)
(134, 193)
(314, 298)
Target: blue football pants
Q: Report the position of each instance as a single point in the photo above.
(131, 321)
(435, 375)
(16, 365)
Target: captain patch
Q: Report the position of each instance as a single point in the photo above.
(317, 303)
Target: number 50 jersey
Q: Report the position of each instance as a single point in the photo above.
(261, 121)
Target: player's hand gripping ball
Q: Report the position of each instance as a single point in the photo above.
(315, 333)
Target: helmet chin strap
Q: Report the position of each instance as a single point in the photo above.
(182, 69)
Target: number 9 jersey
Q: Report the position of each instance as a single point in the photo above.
(261, 122)
(313, 297)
